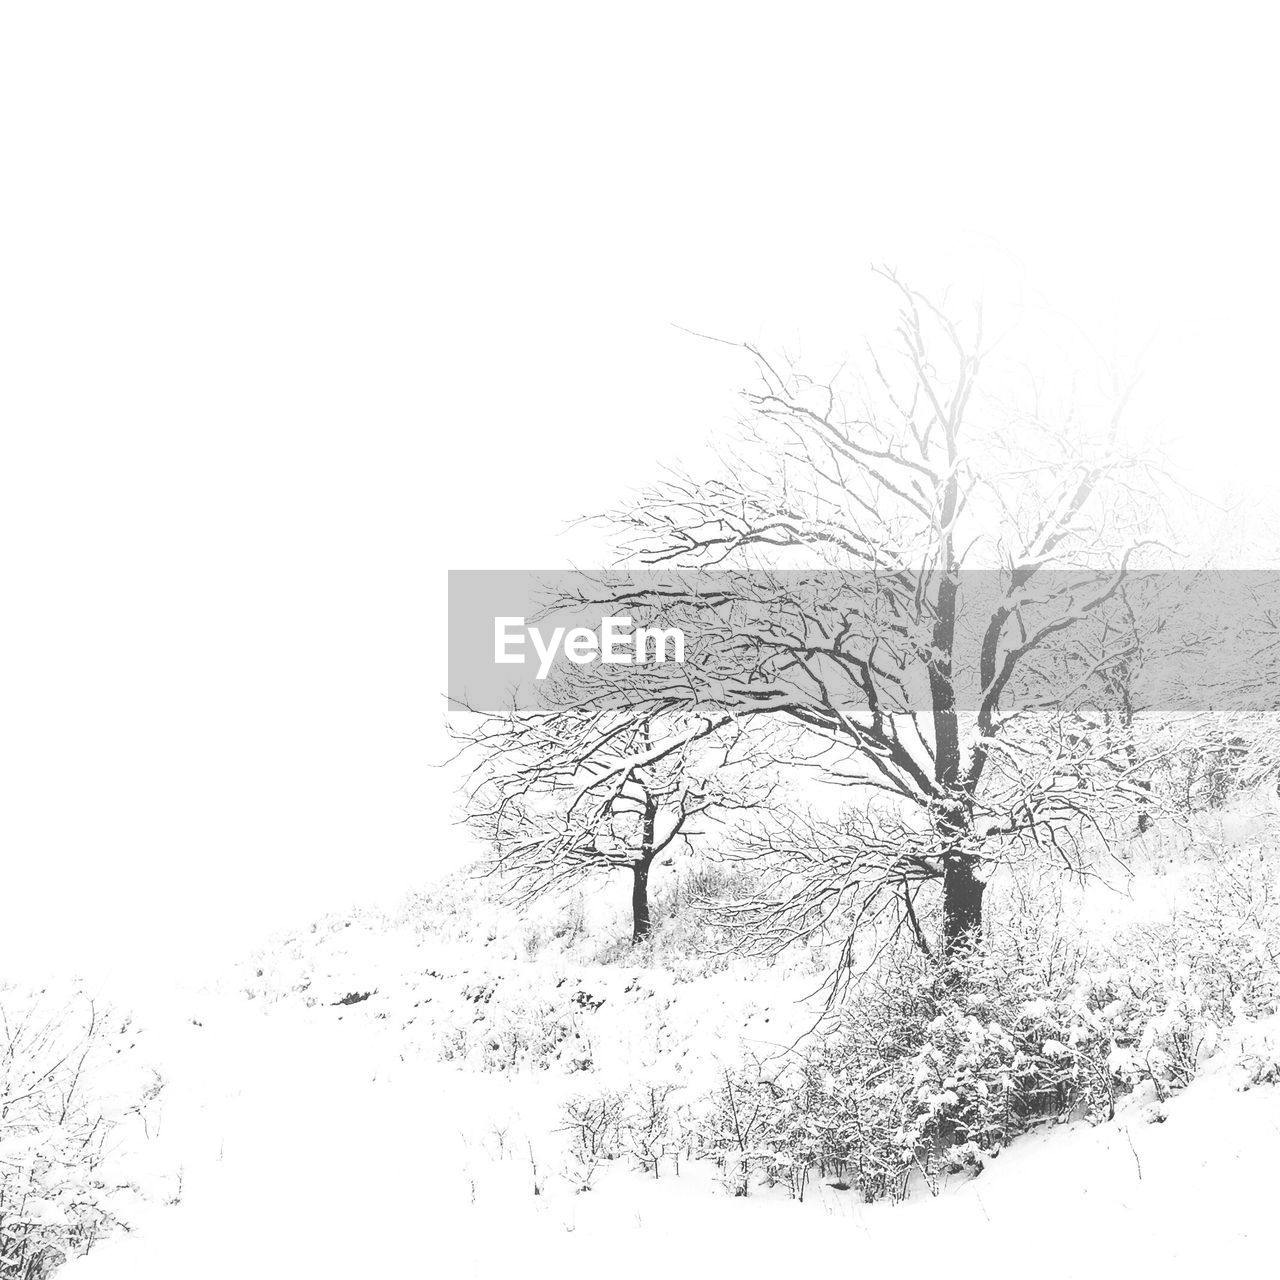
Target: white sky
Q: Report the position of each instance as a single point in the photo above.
(303, 304)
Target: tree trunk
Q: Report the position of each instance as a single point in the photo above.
(640, 923)
(1144, 808)
(1131, 755)
(640, 869)
(961, 906)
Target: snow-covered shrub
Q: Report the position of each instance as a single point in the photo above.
(1009, 1045)
(524, 1033)
(1258, 1056)
(513, 1033)
(594, 1123)
(734, 1129)
(1213, 768)
(834, 1110)
(453, 1044)
(1177, 1038)
(1231, 933)
(57, 1194)
(1214, 961)
(824, 1118)
(927, 1070)
(651, 1128)
(641, 1122)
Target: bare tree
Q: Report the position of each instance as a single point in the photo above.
(944, 688)
(922, 576)
(553, 806)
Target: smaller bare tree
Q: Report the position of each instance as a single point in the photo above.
(552, 808)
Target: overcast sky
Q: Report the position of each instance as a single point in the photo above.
(302, 305)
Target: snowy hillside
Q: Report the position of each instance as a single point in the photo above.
(396, 1095)
(329, 1163)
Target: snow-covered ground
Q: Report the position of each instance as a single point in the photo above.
(310, 1128)
(306, 1151)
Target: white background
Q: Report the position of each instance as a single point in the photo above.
(303, 304)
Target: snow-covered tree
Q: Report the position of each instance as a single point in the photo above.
(552, 805)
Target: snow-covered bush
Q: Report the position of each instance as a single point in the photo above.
(524, 1033)
(594, 1123)
(57, 1193)
(1214, 961)
(1210, 769)
(507, 1026)
(928, 1070)
(651, 1127)
(1009, 1045)
(925, 1070)
(734, 1130)
(1257, 1059)
(640, 1121)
